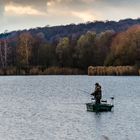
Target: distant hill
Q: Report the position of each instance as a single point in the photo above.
(73, 30)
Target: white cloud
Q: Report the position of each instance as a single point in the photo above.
(85, 16)
(55, 8)
(12, 9)
(14, 13)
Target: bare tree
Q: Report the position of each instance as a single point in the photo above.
(1, 54)
(5, 52)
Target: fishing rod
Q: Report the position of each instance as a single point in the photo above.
(84, 91)
(73, 103)
(105, 101)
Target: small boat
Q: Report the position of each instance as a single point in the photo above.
(92, 107)
(102, 107)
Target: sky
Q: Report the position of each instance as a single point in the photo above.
(25, 14)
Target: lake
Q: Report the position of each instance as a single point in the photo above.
(53, 108)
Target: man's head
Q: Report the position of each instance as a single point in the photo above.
(96, 84)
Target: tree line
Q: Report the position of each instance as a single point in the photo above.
(107, 48)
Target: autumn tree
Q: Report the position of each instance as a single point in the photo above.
(24, 48)
(1, 54)
(103, 41)
(4, 50)
(46, 55)
(63, 52)
(87, 50)
(125, 47)
(39, 41)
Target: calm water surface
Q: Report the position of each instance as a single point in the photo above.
(53, 108)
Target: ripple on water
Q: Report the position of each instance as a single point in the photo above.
(53, 108)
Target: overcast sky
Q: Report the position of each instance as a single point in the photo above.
(21, 14)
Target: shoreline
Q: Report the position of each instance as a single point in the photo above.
(92, 71)
(26, 71)
(114, 71)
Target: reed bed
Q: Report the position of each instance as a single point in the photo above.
(113, 70)
(40, 71)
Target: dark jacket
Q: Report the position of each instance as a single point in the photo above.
(97, 93)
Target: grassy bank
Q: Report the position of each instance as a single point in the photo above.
(100, 70)
(40, 71)
(118, 70)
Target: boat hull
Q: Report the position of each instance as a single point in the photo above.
(92, 107)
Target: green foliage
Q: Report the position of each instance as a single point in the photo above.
(87, 51)
(63, 52)
(104, 41)
(46, 55)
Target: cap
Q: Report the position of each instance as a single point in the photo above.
(96, 84)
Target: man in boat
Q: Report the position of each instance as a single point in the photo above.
(97, 93)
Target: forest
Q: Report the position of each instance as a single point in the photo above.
(70, 49)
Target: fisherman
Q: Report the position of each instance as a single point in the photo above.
(97, 93)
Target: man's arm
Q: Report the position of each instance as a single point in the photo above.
(93, 93)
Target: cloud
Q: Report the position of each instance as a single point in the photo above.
(121, 3)
(74, 8)
(1, 8)
(15, 9)
(85, 16)
(45, 5)
(37, 4)
(15, 13)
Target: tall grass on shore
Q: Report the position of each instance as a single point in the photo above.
(112, 70)
(40, 71)
(62, 71)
